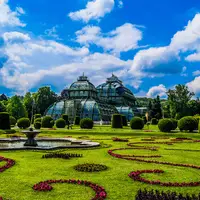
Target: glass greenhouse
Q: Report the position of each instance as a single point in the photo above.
(84, 100)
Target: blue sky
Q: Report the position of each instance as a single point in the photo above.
(150, 45)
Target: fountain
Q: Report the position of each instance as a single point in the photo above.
(31, 134)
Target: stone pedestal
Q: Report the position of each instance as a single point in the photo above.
(31, 134)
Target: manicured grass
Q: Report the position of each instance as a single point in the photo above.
(16, 183)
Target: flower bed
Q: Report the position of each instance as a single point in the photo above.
(62, 155)
(90, 167)
(9, 163)
(119, 140)
(46, 186)
(157, 195)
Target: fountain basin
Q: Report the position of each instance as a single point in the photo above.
(46, 144)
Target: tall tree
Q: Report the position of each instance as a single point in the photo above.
(2, 107)
(178, 100)
(28, 102)
(43, 98)
(16, 108)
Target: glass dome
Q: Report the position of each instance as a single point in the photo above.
(88, 108)
(82, 88)
(127, 111)
(116, 93)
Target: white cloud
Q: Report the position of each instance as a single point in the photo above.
(52, 32)
(122, 39)
(159, 61)
(9, 17)
(196, 73)
(157, 90)
(120, 4)
(95, 10)
(12, 36)
(194, 86)
(36, 62)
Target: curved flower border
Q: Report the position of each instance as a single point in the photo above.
(135, 175)
(46, 186)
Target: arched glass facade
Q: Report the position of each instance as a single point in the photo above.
(84, 100)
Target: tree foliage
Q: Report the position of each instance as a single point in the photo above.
(28, 102)
(16, 108)
(44, 97)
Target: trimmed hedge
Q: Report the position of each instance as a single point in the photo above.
(175, 123)
(23, 123)
(13, 121)
(66, 118)
(36, 116)
(124, 120)
(47, 122)
(154, 121)
(4, 121)
(187, 124)
(77, 120)
(137, 123)
(117, 121)
(38, 120)
(37, 125)
(86, 123)
(165, 125)
(61, 123)
(90, 167)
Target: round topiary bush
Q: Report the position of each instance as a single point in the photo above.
(13, 121)
(66, 118)
(38, 120)
(4, 121)
(86, 123)
(37, 125)
(165, 125)
(47, 122)
(137, 123)
(37, 116)
(187, 124)
(175, 123)
(60, 123)
(23, 123)
(117, 121)
(90, 167)
(77, 120)
(154, 121)
(124, 120)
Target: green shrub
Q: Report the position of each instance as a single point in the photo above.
(86, 123)
(60, 123)
(38, 120)
(124, 120)
(10, 131)
(175, 123)
(154, 121)
(13, 121)
(117, 121)
(165, 125)
(37, 116)
(197, 118)
(187, 124)
(23, 123)
(77, 120)
(66, 118)
(37, 125)
(47, 122)
(178, 116)
(137, 123)
(4, 121)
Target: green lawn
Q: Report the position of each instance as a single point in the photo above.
(16, 183)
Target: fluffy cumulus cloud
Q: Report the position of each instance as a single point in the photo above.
(194, 85)
(9, 17)
(157, 90)
(196, 73)
(36, 61)
(122, 39)
(14, 36)
(166, 60)
(95, 10)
